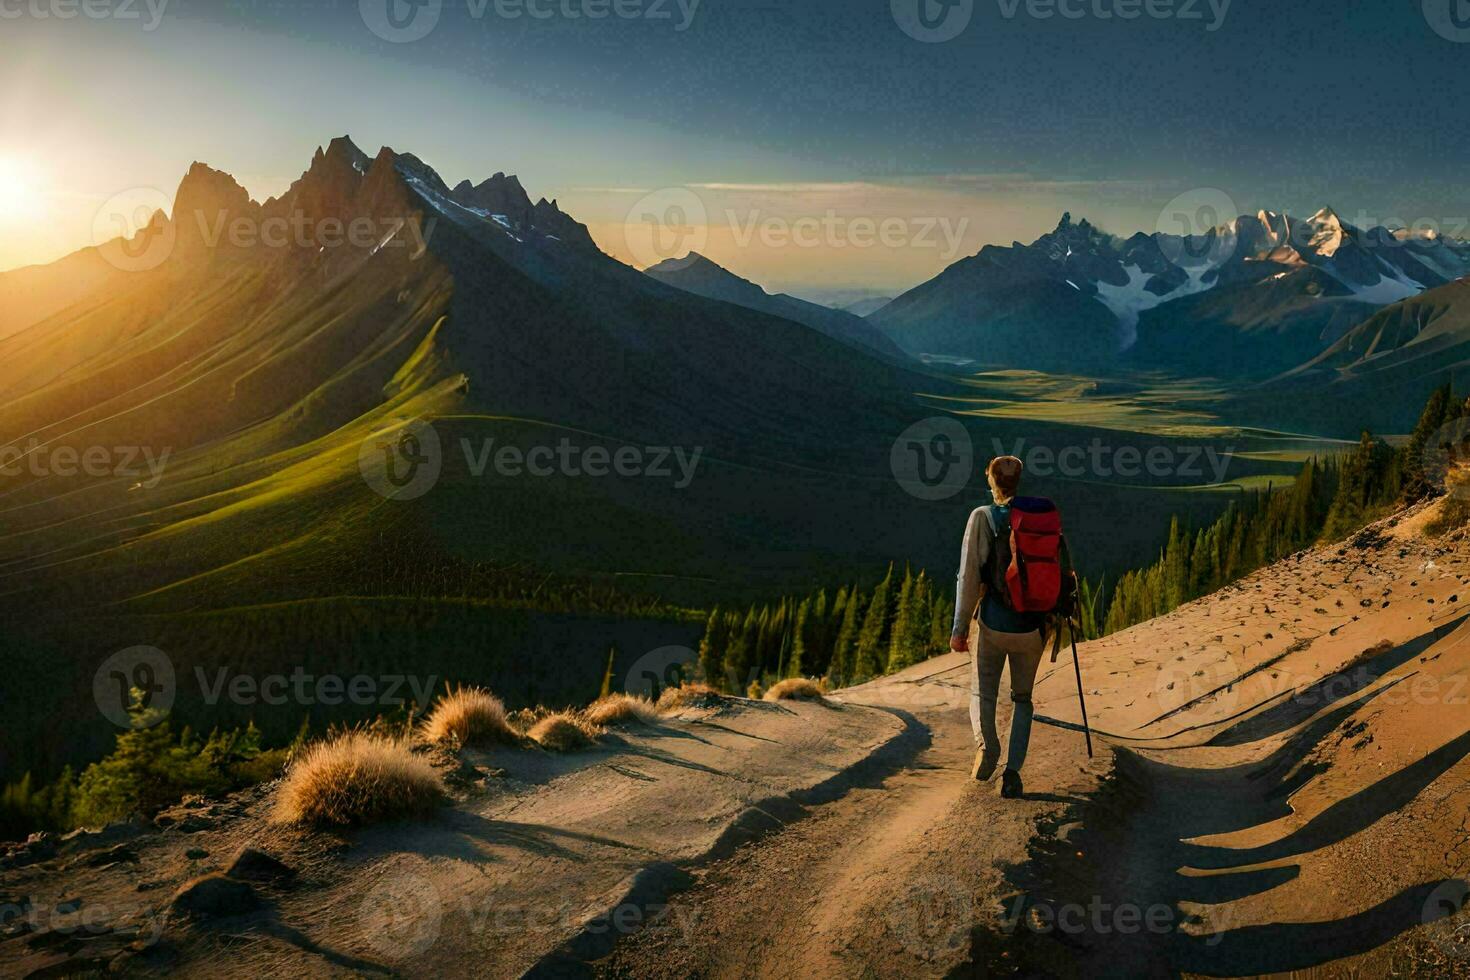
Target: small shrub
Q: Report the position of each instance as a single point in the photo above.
(524, 719)
(688, 696)
(358, 779)
(795, 689)
(468, 715)
(621, 709)
(563, 732)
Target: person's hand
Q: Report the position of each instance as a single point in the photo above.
(959, 644)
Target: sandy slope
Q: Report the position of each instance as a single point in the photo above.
(1282, 784)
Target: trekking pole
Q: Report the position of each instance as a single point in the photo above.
(1081, 698)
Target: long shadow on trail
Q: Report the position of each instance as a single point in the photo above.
(1104, 899)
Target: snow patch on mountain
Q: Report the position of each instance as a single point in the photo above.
(1129, 300)
(1387, 290)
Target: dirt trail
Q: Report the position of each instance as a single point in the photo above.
(1282, 787)
(888, 880)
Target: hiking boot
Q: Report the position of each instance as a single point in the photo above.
(984, 766)
(1010, 785)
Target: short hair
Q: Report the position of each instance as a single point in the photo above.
(1005, 472)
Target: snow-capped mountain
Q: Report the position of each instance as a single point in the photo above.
(1267, 273)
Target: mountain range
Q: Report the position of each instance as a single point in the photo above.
(264, 367)
(253, 385)
(1249, 299)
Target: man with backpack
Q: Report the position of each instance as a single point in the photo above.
(1013, 549)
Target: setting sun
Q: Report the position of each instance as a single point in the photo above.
(19, 196)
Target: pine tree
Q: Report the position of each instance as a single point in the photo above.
(844, 648)
(1176, 568)
(740, 654)
(900, 653)
(818, 637)
(712, 648)
(872, 640)
(1419, 481)
(923, 612)
(607, 675)
(941, 616)
(799, 655)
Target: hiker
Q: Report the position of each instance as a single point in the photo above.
(1005, 634)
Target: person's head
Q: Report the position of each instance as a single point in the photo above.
(1004, 477)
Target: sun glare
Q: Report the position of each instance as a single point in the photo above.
(20, 196)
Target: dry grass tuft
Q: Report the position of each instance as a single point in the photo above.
(621, 709)
(563, 732)
(356, 779)
(467, 715)
(689, 696)
(795, 689)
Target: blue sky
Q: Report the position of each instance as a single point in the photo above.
(770, 110)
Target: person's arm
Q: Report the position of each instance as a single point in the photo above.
(973, 555)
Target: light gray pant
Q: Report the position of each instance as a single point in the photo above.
(991, 652)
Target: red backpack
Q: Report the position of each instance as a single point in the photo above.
(1027, 566)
